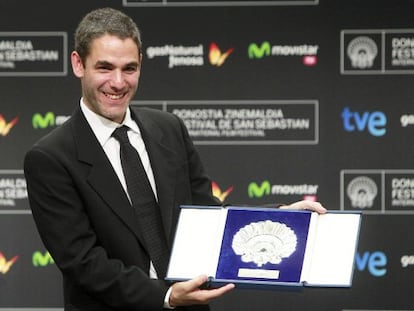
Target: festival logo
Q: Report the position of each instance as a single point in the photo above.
(362, 191)
(377, 51)
(33, 54)
(362, 51)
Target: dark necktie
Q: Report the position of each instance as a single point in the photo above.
(144, 203)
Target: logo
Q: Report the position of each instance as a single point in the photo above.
(310, 60)
(216, 57)
(40, 121)
(178, 56)
(33, 53)
(362, 192)
(374, 262)
(305, 190)
(402, 191)
(362, 52)
(13, 190)
(254, 51)
(378, 191)
(42, 260)
(401, 53)
(220, 194)
(306, 51)
(49, 119)
(374, 122)
(5, 265)
(407, 260)
(377, 51)
(312, 198)
(407, 119)
(256, 191)
(5, 126)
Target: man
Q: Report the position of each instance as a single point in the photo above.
(78, 190)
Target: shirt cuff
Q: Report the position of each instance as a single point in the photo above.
(167, 300)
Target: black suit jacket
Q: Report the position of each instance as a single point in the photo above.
(86, 221)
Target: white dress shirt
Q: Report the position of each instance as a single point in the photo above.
(103, 129)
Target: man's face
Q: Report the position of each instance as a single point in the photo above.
(110, 75)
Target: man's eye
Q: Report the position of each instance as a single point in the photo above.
(131, 69)
(103, 68)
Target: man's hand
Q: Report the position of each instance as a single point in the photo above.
(306, 205)
(189, 292)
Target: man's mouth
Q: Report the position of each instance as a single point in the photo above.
(114, 96)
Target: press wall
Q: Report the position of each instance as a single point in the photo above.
(284, 100)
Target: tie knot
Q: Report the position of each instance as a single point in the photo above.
(121, 134)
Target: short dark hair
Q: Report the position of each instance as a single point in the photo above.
(104, 21)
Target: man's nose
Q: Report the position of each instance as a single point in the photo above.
(117, 79)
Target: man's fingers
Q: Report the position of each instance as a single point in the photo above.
(189, 292)
(306, 205)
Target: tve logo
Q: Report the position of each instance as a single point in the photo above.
(375, 262)
(256, 191)
(374, 122)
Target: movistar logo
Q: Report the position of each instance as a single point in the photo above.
(48, 119)
(42, 260)
(256, 191)
(255, 51)
(44, 121)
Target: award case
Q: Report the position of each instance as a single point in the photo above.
(265, 247)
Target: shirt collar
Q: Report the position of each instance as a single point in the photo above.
(103, 127)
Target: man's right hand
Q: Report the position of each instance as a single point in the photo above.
(189, 292)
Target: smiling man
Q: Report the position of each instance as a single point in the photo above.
(86, 213)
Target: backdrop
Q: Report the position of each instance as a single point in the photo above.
(284, 100)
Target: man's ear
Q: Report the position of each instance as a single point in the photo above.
(77, 65)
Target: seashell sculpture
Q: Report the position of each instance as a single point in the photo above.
(264, 242)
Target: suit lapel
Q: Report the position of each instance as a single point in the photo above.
(102, 177)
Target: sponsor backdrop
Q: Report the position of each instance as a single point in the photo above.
(284, 100)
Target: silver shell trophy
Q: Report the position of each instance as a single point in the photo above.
(264, 242)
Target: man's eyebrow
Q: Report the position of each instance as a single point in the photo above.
(104, 63)
(132, 64)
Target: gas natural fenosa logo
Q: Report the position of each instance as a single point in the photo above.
(216, 57)
(5, 264)
(5, 126)
(218, 193)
